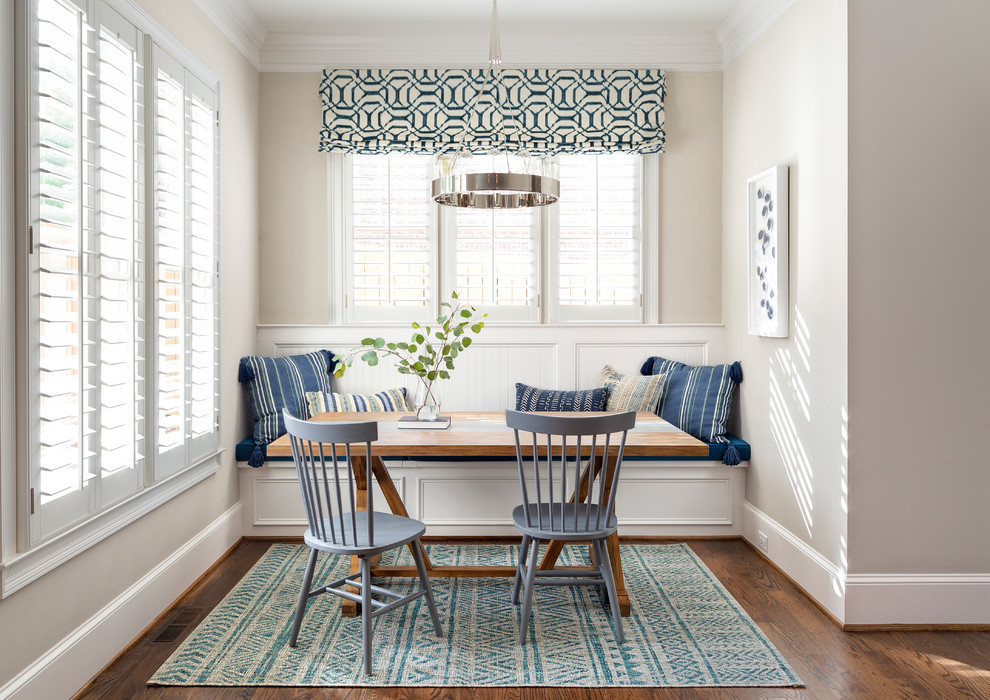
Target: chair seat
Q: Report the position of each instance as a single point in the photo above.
(552, 528)
(390, 531)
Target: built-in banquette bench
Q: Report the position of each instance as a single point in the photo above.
(658, 496)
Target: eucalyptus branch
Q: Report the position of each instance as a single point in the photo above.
(430, 352)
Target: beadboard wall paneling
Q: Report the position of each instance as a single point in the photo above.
(551, 357)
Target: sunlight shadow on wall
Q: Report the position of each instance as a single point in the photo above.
(839, 581)
(787, 391)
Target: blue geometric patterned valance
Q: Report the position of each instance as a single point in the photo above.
(546, 111)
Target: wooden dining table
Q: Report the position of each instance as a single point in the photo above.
(483, 435)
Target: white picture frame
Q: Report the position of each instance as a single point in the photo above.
(767, 257)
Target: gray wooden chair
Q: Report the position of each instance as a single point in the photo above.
(549, 513)
(338, 527)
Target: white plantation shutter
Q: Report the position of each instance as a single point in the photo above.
(493, 258)
(186, 275)
(170, 223)
(596, 250)
(390, 242)
(89, 148)
(123, 299)
(120, 240)
(203, 250)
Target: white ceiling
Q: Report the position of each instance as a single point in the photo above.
(337, 17)
(308, 35)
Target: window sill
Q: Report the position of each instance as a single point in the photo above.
(25, 567)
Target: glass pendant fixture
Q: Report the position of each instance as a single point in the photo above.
(526, 181)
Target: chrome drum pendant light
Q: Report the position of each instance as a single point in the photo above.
(534, 186)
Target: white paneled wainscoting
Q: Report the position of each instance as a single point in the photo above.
(472, 497)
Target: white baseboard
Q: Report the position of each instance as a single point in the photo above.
(918, 599)
(71, 663)
(819, 577)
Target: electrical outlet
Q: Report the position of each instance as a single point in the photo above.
(761, 541)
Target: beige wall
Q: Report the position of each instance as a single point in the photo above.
(919, 325)
(294, 229)
(43, 613)
(785, 103)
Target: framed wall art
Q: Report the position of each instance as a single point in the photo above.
(766, 242)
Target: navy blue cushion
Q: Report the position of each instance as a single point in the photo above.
(245, 447)
(696, 399)
(530, 398)
(274, 383)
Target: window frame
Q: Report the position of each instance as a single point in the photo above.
(24, 556)
(546, 310)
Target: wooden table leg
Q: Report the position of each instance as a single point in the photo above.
(554, 548)
(395, 503)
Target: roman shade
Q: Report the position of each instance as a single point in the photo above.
(546, 111)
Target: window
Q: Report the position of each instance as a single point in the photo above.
(579, 260)
(122, 393)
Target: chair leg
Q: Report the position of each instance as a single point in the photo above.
(303, 597)
(602, 589)
(530, 584)
(366, 610)
(424, 579)
(605, 566)
(523, 550)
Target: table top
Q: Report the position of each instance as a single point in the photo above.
(484, 434)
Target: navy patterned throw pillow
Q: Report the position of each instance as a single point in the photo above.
(530, 398)
(274, 383)
(697, 399)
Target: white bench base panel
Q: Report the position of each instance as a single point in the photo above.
(465, 498)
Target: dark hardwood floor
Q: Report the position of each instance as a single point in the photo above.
(833, 663)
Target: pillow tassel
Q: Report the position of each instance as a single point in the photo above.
(735, 372)
(731, 457)
(244, 372)
(647, 367)
(257, 457)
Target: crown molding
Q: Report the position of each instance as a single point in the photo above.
(745, 24)
(290, 52)
(239, 24)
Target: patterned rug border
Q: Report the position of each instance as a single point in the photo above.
(633, 555)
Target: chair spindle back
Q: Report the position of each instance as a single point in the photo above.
(594, 458)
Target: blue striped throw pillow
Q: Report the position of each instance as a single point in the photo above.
(388, 400)
(274, 383)
(530, 398)
(696, 399)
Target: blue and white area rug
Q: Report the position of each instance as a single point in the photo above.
(685, 630)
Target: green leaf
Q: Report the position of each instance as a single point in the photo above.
(466, 341)
(367, 341)
(425, 360)
(431, 375)
(391, 346)
(412, 349)
(453, 352)
(458, 330)
(371, 357)
(379, 342)
(445, 303)
(450, 364)
(477, 327)
(350, 360)
(444, 374)
(402, 346)
(453, 295)
(438, 335)
(465, 313)
(419, 366)
(418, 338)
(415, 325)
(441, 319)
(402, 370)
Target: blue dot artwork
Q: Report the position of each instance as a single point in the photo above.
(765, 251)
